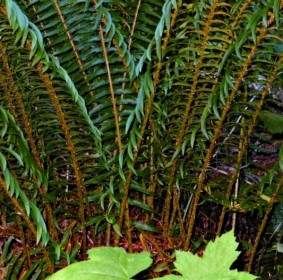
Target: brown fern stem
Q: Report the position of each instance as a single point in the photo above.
(124, 205)
(241, 12)
(3, 10)
(181, 224)
(26, 251)
(70, 145)
(28, 130)
(242, 149)
(180, 137)
(18, 209)
(148, 109)
(115, 110)
(263, 225)
(217, 134)
(176, 216)
(152, 182)
(6, 82)
(245, 140)
(191, 117)
(134, 25)
(73, 44)
(111, 89)
(130, 45)
(13, 93)
(13, 96)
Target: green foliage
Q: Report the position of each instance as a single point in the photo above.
(27, 30)
(106, 263)
(214, 264)
(116, 115)
(14, 151)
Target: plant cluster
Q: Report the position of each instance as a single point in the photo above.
(127, 122)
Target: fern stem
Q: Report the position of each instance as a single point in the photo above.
(180, 137)
(19, 209)
(13, 90)
(130, 41)
(108, 235)
(191, 115)
(73, 44)
(115, 110)
(24, 241)
(35, 153)
(111, 89)
(217, 132)
(177, 216)
(241, 13)
(152, 182)
(13, 94)
(7, 85)
(70, 145)
(263, 225)
(148, 109)
(230, 186)
(134, 25)
(243, 145)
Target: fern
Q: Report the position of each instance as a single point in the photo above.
(122, 117)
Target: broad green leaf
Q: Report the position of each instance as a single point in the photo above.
(225, 245)
(214, 265)
(89, 270)
(106, 263)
